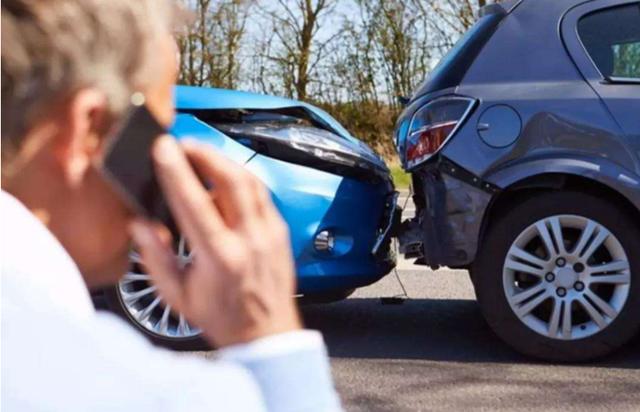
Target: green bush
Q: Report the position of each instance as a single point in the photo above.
(401, 179)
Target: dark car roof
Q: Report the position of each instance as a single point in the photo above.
(540, 57)
(508, 5)
(525, 20)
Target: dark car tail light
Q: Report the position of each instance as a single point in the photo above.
(433, 125)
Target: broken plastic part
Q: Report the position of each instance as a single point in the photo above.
(445, 231)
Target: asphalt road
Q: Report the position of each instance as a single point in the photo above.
(435, 352)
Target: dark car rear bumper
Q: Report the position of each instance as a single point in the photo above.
(450, 207)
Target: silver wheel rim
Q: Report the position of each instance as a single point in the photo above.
(146, 308)
(566, 277)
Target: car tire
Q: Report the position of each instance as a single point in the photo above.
(499, 286)
(114, 303)
(135, 300)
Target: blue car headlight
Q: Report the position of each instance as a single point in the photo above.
(309, 146)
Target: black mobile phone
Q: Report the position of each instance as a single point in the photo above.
(128, 165)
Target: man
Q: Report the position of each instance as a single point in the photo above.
(69, 69)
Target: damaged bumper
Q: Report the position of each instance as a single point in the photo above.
(334, 192)
(354, 212)
(450, 207)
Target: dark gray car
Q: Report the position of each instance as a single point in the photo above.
(524, 147)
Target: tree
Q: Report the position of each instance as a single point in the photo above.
(295, 26)
(398, 32)
(230, 21)
(351, 57)
(210, 46)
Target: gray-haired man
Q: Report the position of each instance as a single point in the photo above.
(69, 68)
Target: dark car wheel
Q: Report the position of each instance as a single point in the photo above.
(558, 277)
(134, 298)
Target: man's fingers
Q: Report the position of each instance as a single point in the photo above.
(190, 203)
(234, 187)
(159, 261)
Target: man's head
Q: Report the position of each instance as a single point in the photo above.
(69, 69)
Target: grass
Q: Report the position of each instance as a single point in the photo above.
(401, 178)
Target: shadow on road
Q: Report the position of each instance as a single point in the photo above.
(443, 330)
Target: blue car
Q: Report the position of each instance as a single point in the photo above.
(334, 192)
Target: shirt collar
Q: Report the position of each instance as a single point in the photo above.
(35, 266)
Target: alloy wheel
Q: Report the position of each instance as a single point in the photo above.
(566, 277)
(145, 307)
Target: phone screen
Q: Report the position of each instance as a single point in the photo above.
(128, 165)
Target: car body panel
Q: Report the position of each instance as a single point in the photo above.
(450, 219)
(309, 200)
(197, 98)
(621, 98)
(597, 169)
(187, 126)
(566, 129)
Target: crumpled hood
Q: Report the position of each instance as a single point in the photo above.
(201, 98)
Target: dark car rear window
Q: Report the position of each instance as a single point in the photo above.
(454, 65)
(612, 39)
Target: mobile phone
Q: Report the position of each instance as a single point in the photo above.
(128, 165)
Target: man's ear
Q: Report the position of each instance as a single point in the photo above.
(81, 127)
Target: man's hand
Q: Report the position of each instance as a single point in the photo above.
(241, 283)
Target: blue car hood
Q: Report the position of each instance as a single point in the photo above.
(195, 98)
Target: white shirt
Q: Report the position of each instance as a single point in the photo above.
(59, 354)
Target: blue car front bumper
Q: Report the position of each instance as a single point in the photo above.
(356, 212)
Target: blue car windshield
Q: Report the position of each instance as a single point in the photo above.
(454, 65)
